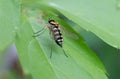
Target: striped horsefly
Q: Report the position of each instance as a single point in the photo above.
(55, 31)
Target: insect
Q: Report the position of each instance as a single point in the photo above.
(55, 31)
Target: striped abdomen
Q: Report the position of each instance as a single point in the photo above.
(56, 32)
(57, 36)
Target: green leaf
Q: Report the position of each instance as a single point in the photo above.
(9, 20)
(100, 17)
(81, 62)
(22, 40)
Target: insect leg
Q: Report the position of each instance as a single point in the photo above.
(64, 52)
(51, 52)
(51, 45)
(40, 32)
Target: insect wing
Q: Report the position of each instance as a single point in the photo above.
(68, 33)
